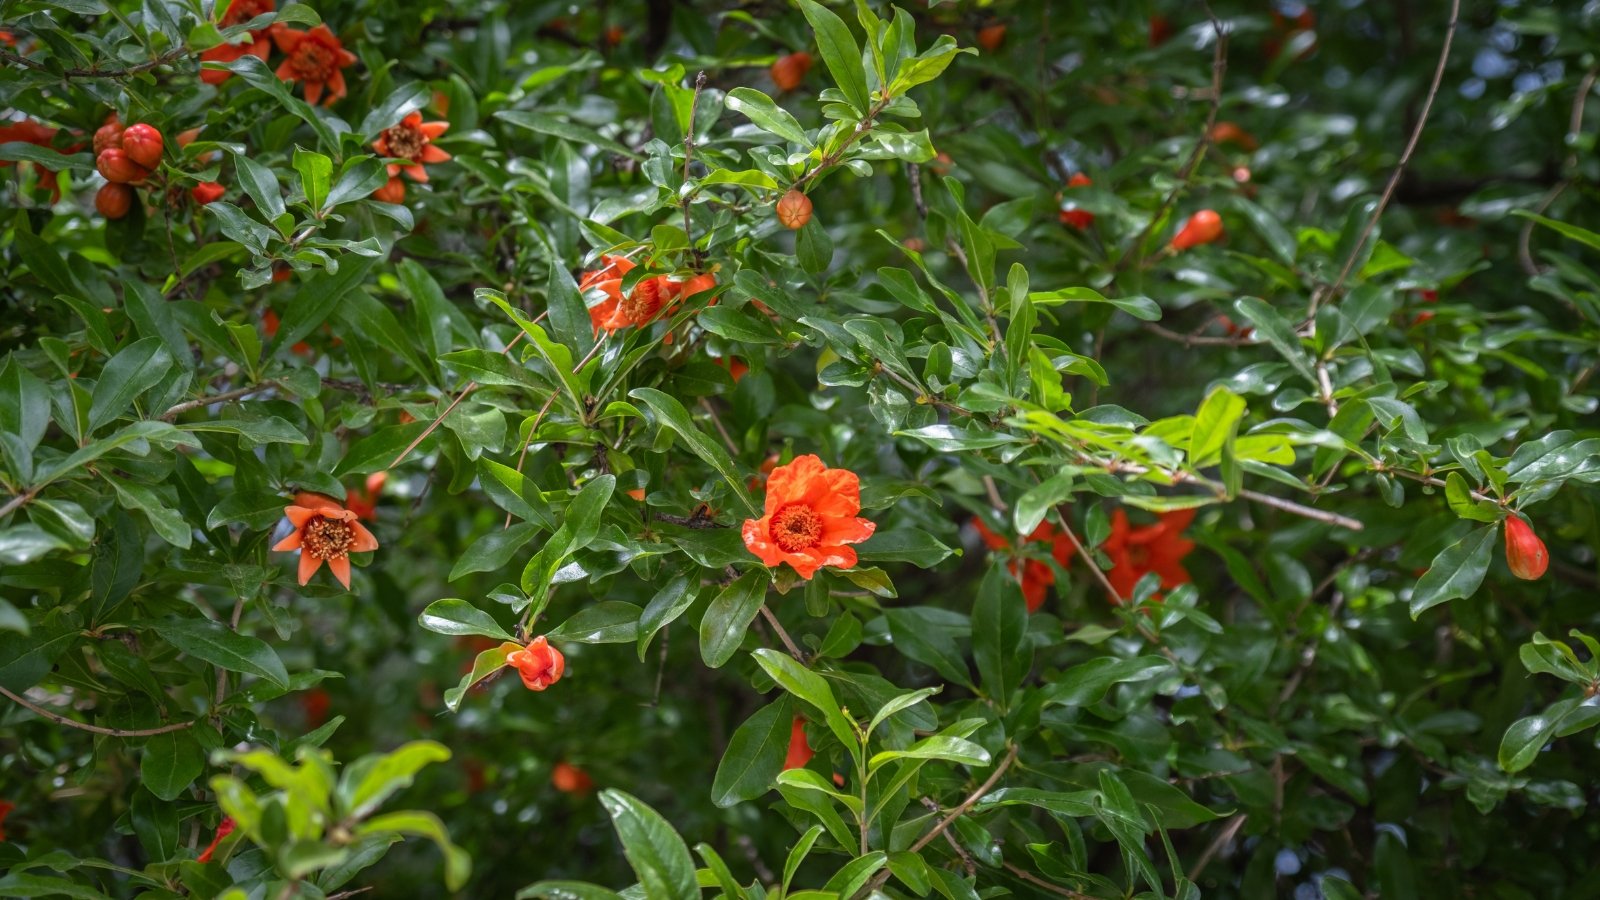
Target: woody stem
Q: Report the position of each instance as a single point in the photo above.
(783, 635)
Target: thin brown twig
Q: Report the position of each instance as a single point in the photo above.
(688, 157)
(471, 386)
(1399, 169)
(1574, 128)
(172, 55)
(1040, 883)
(522, 455)
(1219, 68)
(783, 635)
(225, 397)
(722, 430)
(1300, 509)
(950, 818)
(95, 729)
(1221, 840)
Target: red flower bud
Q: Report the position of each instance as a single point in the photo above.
(789, 71)
(207, 191)
(800, 751)
(794, 210)
(107, 136)
(1203, 227)
(392, 192)
(991, 37)
(143, 144)
(117, 168)
(569, 779)
(1525, 553)
(540, 664)
(1077, 218)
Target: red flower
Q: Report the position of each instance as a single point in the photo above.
(412, 140)
(315, 703)
(1203, 227)
(1525, 553)
(393, 191)
(1034, 575)
(1160, 30)
(540, 664)
(6, 806)
(255, 43)
(1072, 216)
(991, 37)
(365, 503)
(1158, 548)
(810, 517)
(800, 751)
(31, 132)
(736, 367)
(315, 59)
(224, 828)
(207, 192)
(641, 305)
(269, 321)
(569, 779)
(324, 532)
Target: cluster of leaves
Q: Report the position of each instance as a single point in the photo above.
(1242, 626)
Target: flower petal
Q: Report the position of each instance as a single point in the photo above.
(292, 542)
(340, 567)
(431, 130)
(791, 483)
(308, 567)
(298, 516)
(364, 542)
(837, 531)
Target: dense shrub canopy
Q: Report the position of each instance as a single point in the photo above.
(688, 448)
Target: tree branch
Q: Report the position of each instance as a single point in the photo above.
(95, 729)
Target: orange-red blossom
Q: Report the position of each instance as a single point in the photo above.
(254, 43)
(539, 664)
(1203, 227)
(324, 532)
(569, 779)
(1073, 216)
(810, 518)
(315, 58)
(412, 139)
(224, 828)
(1035, 576)
(1158, 548)
(639, 307)
(800, 751)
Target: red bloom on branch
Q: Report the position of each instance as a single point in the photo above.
(1525, 552)
(412, 140)
(364, 503)
(800, 751)
(6, 806)
(539, 664)
(639, 307)
(324, 532)
(810, 518)
(1158, 548)
(224, 828)
(315, 59)
(315, 703)
(1072, 216)
(253, 43)
(789, 71)
(207, 192)
(1203, 227)
(1034, 575)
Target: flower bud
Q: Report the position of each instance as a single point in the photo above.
(114, 200)
(991, 37)
(569, 779)
(1203, 227)
(1525, 553)
(107, 136)
(207, 191)
(539, 664)
(794, 210)
(789, 71)
(1077, 218)
(800, 751)
(117, 168)
(143, 144)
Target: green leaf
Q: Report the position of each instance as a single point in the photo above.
(492, 551)
(1085, 683)
(483, 665)
(317, 299)
(855, 874)
(672, 601)
(1277, 332)
(1583, 236)
(357, 180)
(171, 762)
(658, 856)
(1456, 572)
(767, 115)
(1459, 495)
(669, 412)
(729, 616)
(813, 689)
(566, 890)
(945, 747)
(401, 102)
(605, 622)
(316, 174)
(1139, 307)
(453, 616)
(798, 854)
(999, 627)
(813, 248)
(457, 865)
(215, 643)
(372, 779)
(134, 370)
(840, 53)
(755, 755)
(582, 135)
(261, 184)
(1215, 426)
